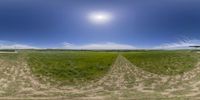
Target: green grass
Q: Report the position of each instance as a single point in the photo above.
(70, 67)
(8, 56)
(73, 66)
(163, 62)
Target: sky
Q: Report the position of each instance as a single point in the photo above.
(99, 24)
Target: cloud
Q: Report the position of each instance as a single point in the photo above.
(179, 45)
(101, 46)
(11, 45)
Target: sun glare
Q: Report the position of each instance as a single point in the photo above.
(100, 17)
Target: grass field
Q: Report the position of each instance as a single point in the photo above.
(71, 66)
(8, 56)
(163, 62)
(110, 75)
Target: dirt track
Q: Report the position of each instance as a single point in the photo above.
(123, 81)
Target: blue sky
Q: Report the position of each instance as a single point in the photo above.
(66, 24)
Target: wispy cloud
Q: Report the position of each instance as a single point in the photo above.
(184, 44)
(12, 45)
(101, 46)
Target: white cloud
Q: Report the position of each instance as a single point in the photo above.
(11, 45)
(179, 45)
(101, 46)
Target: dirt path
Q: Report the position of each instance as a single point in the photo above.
(123, 81)
(126, 76)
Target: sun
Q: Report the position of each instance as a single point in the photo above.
(100, 17)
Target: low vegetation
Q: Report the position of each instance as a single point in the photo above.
(61, 73)
(7, 56)
(7, 50)
(163, 62)
(71, 66)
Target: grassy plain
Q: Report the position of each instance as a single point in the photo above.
(71, 66)
(8, 56)
(122, 80)
(163, 62)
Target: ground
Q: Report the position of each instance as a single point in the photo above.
(123, 81)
